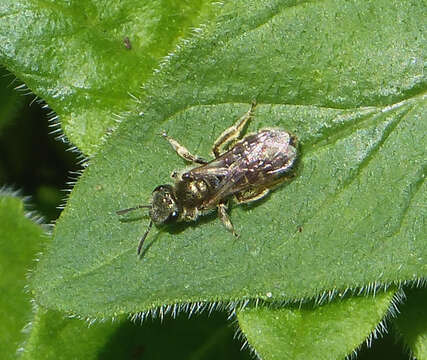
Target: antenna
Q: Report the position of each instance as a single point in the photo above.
(124, 211)
(141, 242)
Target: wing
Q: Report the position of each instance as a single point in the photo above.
(240, 155)
(257, 161)
(229, 185)
(217, 167)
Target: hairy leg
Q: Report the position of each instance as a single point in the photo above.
(232, 133)
(183, 152)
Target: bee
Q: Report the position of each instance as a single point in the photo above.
(245, 169)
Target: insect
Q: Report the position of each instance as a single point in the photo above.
(244, 168)
(127, 43)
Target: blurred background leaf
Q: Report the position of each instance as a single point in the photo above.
(411, 325)
(31, 159)
(21, 238)
(331, 331)
(200, 338)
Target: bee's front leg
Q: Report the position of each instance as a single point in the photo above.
(232, 133)
(222, 212)
(183, 152)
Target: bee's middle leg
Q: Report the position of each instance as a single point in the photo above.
(223, 215)
(183, 152)
(232, 133)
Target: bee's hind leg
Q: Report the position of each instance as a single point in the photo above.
(249, 196)
(223, 215)
(183, 152)
(232, 133)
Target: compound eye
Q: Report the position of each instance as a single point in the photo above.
(173, 216)
(164, 207)
(186, 176)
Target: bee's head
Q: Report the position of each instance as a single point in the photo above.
(164, 207)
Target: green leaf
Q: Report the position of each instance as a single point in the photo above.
(47, 334)
(50, 335)
(203, 337)
(55, 337)
(411, 325)
(20, 240)
(348, 78)
(84, 58)
(330, 331)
